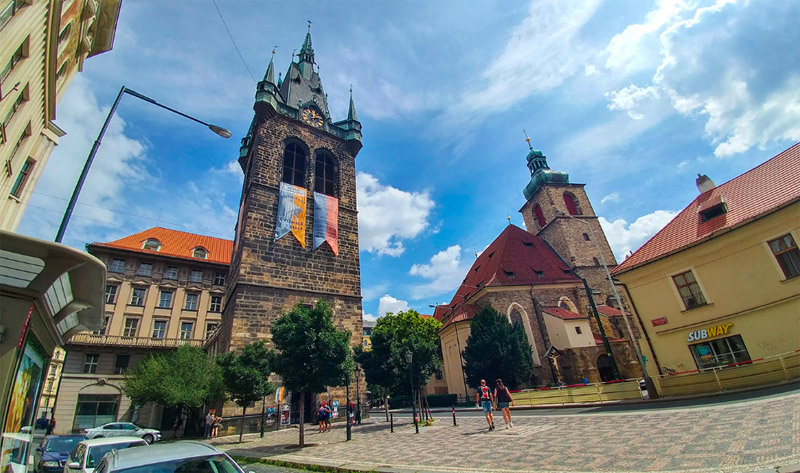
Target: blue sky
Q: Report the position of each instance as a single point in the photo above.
(632, 98)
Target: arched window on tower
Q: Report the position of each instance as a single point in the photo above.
(572, 206)
(596, 261)
(294, 164)
(516, 318)
(325, 174)
(537, 212)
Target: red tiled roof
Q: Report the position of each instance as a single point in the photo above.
(609, 311)
(599, 340)
(765, 188)
(515, 258)
(176, 243)
(563, 314)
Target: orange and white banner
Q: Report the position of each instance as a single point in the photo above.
(292, 213)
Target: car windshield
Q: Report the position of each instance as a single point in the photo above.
(62, 444)
(97, 452)
(212, 464)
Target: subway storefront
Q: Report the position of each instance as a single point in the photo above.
(710, 351)
(48, 292)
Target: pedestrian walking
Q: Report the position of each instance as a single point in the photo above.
(485, 398)
(216, 426)
(208, 424)
(503, 398)
(328, 416)
(322, 416)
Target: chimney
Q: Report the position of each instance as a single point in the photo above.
(704, 183)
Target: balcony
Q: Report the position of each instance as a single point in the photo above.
(88, 338)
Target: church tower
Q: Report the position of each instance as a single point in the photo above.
(297, 232)
(560, 213)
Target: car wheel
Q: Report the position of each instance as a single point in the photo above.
(148, 438)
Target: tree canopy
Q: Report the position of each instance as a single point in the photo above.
(246, 375)
(184, 378)
(497, 349)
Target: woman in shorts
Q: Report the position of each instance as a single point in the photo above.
(503, 398)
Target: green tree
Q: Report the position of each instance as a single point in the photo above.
(311, 352)
(496, 349)
(246, 376)
(378, 372)
(394, 336)
(185, 378)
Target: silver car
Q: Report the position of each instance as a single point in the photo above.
(123, 429)
(176, 457)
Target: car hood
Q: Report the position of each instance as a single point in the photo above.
(50, 456)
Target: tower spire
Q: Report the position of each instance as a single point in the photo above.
(351, 113)
(307, 51)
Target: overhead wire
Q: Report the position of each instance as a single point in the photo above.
(233, 40)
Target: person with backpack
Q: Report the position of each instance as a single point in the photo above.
(503, 398)
(322, 417)
(485, 398)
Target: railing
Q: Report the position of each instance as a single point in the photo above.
(759, 372)
(579, 393)
(87, 338)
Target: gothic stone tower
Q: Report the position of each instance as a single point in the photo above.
(560, 213)
(293, 156)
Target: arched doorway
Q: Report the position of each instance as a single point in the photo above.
(604, 368)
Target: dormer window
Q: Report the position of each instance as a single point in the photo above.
(200, 253)
(509, 274)
(152, 244)
(712, 207)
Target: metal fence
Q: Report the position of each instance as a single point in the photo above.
(759, 372)
(579, 393)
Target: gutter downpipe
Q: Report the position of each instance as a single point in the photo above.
(606, 344)
(647, 378)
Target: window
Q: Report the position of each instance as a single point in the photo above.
(152, 244)
(90, 363)
(63, 69)
(159, 328)
(720, 352)
(325, 175)
(138, 295)
(219, 279)
(106, 323)
(689, 290)
(165, 300)
(121, 365)
(216, 304)
(117, 266)
(18, 55)
(65, 33)
(210, 329)
(191, 302)
(200, 253)
(186, 330)
(515, 318)
(93, 410)
(21, 98)
(171, 272)
(787, 254)
(571, 203)
(578, 330)
(196, 276)
(131, 327)
(539, 274)
(586, 236)
(596, 261)
(22, 177)
(509, 274)
(111, 293)
(294, 164)
(9, 11)
(145, 269)
(537, 212)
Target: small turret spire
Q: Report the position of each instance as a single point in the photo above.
(527, 139)
(351, 113)
(307, 51)
(270, 75)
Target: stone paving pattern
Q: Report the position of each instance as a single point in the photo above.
(758, 435)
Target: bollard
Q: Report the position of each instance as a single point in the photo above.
(416, 424)
(391, 423)
(454, 416)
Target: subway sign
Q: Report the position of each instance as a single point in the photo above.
(715, 331)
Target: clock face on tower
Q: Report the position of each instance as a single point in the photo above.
(312, 117)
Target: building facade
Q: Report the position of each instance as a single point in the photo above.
(720, 284)
(164, 289)
(297, 232)
(45, 43)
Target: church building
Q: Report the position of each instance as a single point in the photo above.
(297, 231)
(550, 280)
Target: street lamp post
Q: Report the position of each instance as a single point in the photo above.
(358, 396)
(347, 408)
(616, 294)
(124, 90)
(409, 360)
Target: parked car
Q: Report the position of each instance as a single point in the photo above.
(88, 452)
(177, 457)
(51, 456)
(126, 429)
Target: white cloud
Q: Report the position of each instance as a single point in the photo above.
(629, 97)
(682, 165)
(387, 215)
(590, 70)
(612, 197)
(445, 272)
(369, 317)
(624, 237)
(390, 304)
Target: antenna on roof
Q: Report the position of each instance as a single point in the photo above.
(508, 217)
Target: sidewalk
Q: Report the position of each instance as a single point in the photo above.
(753, 436)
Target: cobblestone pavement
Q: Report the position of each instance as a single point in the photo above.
(753, 436)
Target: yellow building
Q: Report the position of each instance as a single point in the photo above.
(43, 44)
(718, 289)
